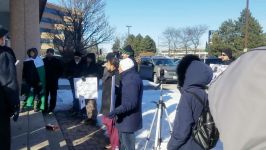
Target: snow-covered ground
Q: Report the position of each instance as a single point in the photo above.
(170, 97)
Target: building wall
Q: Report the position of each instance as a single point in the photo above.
(24, 29)
(181, 53)
(48, 24)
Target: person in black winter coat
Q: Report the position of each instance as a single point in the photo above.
(129, 112)
(53, 70)
(75, 70)
(109, 97)
(9, 92)
(90, 69)
(110, 73)
(193, 76)
(33, 79)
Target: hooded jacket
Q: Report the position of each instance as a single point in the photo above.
(196, 76)
(237, 101)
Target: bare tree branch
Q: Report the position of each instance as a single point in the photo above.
(83, 25)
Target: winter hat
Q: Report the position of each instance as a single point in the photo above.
(126, 64)
(127, 50)
(228, 52)
(3, 32)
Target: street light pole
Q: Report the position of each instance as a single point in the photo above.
(128, 30)
(246, 27)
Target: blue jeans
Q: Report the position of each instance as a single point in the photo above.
(75, 100)
(127, 140)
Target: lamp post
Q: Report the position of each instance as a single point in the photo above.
(128, 29)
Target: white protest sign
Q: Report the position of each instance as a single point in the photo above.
(87, 89)
(218, 69)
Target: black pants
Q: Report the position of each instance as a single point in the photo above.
(5, 137)
(52, 90)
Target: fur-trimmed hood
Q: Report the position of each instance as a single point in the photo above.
(191, 71)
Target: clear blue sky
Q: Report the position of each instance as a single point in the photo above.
(152, 17)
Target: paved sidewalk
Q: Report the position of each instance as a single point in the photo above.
(29, 132)
(79, 136)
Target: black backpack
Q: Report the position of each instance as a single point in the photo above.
(204, 131)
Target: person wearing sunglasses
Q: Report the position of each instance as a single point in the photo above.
(226, 56)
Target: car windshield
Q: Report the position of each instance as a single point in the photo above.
(164, 62)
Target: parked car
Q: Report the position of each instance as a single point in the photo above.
(150, 68)
(212, 60)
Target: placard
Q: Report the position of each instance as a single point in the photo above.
(218, 69)
(87, 89)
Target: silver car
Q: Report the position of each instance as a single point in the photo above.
(150, 68)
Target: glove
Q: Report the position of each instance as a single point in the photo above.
(111, 115)
(16, 113)
(15, 116)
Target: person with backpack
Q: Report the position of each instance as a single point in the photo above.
(193, 77)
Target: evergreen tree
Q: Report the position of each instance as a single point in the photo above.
(255, 32)
(148, 44)
(138, 43)
(116, 45)
(130, 40)
(231, 34)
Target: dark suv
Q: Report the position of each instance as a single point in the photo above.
(150, 67)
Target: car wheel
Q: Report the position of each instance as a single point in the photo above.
(155, 78)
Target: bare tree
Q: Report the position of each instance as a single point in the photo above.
(171, 36)
(83, 25)
(196, 33)
(185, 38)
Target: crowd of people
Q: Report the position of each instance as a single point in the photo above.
(122, 91)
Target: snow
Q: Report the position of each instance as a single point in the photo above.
(63, 82)
(149, 83)
(170, 97)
